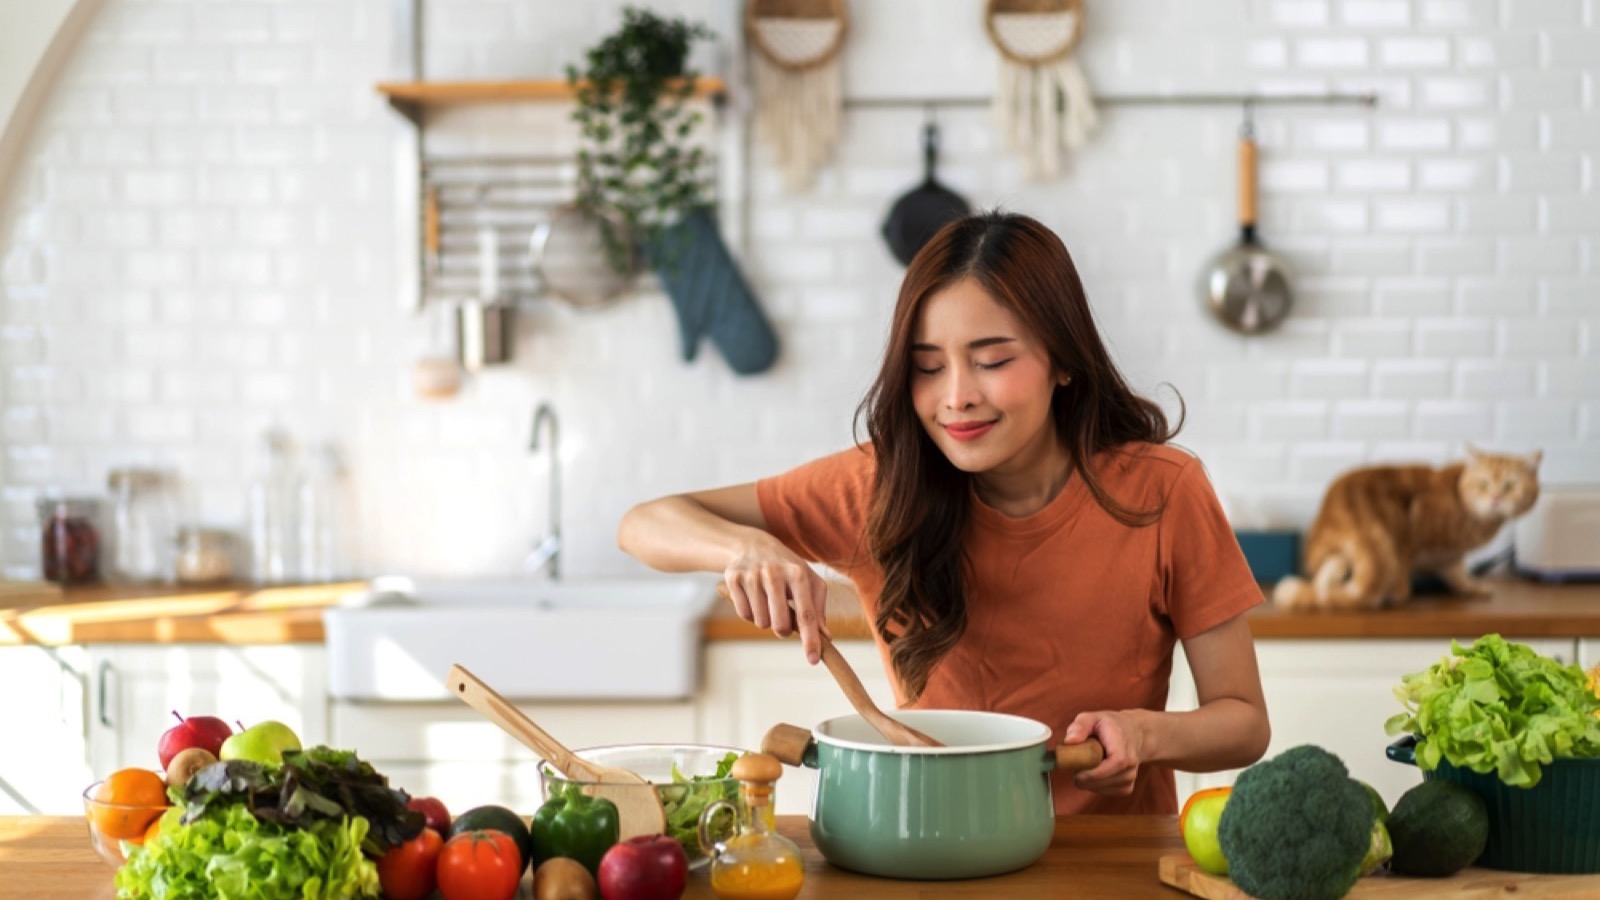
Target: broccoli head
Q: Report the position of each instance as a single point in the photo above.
(1296, 827)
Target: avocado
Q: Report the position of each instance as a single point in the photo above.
(496, 818)
(1438, 828)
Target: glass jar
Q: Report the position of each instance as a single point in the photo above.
(270, 505)
(205, 555)
(69, 542)
(140, 542)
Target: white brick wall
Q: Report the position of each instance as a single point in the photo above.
(199, 243)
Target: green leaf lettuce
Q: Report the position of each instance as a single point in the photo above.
(1497, 706)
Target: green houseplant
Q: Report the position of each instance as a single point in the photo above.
(643, 173)
(639, 167)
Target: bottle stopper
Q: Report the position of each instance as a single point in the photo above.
(757, 772)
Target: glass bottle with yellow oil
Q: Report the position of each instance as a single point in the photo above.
(756, 863)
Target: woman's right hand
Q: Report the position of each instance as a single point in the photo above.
(771, 587)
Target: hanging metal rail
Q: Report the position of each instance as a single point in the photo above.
(1368, 99)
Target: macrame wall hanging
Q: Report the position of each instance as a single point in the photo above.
(798, 97)
(1043, 104)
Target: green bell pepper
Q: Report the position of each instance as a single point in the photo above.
(575, 825)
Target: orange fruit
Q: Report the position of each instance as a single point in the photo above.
(1198, 795)
(138, 797)
(154, 829)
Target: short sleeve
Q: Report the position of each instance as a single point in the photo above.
(819, 509)
(1206, 579)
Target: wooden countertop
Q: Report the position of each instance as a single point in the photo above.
(1110, 857)
(241, 614)
(230, 614)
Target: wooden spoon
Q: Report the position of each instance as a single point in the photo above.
(638, 805)
(897, 732)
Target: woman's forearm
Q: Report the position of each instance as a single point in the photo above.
(678, 534)
(1226, 733)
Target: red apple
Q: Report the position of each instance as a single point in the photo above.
(433, 811)
(647, 867)
(207, 732)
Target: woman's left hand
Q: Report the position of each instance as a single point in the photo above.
(1121, 737)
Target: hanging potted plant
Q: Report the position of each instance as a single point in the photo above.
(643, 173)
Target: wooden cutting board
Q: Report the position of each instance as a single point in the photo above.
(1179, 871)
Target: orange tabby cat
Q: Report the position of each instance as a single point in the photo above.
(1379, 525)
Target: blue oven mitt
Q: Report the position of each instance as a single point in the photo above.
(710, 294)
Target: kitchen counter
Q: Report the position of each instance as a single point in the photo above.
(241, 614)
(1111, 857)
(227, 614)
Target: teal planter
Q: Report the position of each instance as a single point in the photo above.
(1272, 555)
(976, 808)
(1552, 827)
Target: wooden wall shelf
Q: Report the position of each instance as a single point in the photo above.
(411, 96)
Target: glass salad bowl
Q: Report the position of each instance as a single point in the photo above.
(686, 779)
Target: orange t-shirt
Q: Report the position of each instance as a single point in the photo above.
(1068, 610)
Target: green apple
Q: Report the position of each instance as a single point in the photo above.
(263, 742)
(1202, 813)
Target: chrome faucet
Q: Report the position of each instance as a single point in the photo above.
(547, 553)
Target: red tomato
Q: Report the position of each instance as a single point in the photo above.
(407, 872)
(480, 865)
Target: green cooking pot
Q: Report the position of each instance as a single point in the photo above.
(979, 805)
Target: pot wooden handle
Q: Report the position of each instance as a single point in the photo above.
(1247, 181)
(786, 742)
(1080, 757)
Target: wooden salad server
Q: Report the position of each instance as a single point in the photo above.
(894, 730)
(638, 805)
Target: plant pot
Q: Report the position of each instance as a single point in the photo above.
(1552, 827)
(710, 294)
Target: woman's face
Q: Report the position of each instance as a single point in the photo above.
(981, 383)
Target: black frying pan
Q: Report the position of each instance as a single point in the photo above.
(923, 210)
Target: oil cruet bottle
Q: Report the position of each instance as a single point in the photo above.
(756, 863)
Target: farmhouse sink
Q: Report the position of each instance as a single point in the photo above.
(529, 640)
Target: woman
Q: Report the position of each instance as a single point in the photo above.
(1022, 538)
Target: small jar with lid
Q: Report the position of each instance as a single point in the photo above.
(205, 555)
(69, 539)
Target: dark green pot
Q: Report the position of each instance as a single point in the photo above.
(1552, 827)
(980, 806)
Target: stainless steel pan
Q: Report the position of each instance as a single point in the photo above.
(1246, 286)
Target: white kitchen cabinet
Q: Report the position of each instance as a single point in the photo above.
(1337, 694)
(750, 686)
(450, 751)
(1588, 652)
(43, 760)
(133, 689)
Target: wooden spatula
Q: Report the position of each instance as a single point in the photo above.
(896, 731)
(638, 805)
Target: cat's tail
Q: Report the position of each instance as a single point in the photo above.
(1294, 592)
(1345, 579)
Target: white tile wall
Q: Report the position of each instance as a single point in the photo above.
(200, 243)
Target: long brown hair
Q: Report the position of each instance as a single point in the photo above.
(920, 501)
